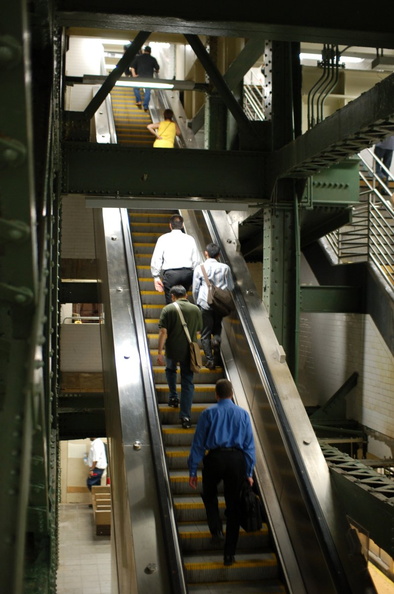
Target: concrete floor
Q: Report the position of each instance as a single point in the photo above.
(84, 558)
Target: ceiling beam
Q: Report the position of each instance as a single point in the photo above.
(351, 27)
(122, 171)
(247, 131)
(247, 58)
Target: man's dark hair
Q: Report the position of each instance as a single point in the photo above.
(212, 250)
(178, 291)
(147, 49)
(176, 222)
(224, 388)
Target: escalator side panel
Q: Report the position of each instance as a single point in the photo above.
(138, 534)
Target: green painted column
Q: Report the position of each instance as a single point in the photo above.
(279, 277)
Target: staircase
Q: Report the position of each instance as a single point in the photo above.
(130, 121)
(256, 568)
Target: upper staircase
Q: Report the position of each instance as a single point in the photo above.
(130, 120)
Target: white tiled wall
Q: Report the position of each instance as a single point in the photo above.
(332, 347)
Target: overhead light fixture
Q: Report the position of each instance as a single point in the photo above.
(138, 82)
(148, 83)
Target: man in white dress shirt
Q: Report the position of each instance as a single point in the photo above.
(97, 461)
(174, 258)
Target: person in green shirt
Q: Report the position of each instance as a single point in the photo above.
(172, 336)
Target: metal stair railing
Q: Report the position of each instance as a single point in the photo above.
(254, 102)
(369, 237)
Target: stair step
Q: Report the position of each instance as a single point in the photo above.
(236, 587)
(197, 537)
(248, 567)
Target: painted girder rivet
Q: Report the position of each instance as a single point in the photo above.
(137, 445)
(119, 290)
(150, 568)
(306, 441)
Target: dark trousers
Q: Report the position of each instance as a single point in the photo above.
(94, 478)
(176, 276)
(211, 327)
(228, 466)
(385, 155)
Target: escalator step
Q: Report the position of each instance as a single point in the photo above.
(248, 567)
(236, 587)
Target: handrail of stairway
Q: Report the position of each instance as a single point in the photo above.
(369, 236)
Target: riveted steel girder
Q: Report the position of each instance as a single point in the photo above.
(111, 170)
(361, 123)
(207, 18)
(366, 496)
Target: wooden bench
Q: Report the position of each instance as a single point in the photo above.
(102, 509)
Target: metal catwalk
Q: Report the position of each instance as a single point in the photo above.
(313, 547)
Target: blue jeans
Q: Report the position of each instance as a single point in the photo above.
(137, 94)
(187, 386)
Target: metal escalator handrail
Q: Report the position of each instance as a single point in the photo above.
(314, 508)
(162, 482)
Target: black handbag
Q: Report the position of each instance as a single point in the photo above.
(251, 509)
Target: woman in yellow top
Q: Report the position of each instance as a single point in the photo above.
(165, 131)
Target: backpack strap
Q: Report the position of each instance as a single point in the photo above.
(186, 329)
(205, 276)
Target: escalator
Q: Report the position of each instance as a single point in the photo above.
(161, 542)
(257, 563)
(130, 121)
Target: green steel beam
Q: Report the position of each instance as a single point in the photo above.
(338, 184)
(365, 495)
(81, 402)
(80, 425)
(248, 135)
(116, 170)
(319, 221)
(360, 124)
(78, 292)
(247, 58)
(332, 299)
(334, 409)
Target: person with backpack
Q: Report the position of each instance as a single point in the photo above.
(224, 431)
(219, 274)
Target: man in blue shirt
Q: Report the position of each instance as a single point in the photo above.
(225, 430)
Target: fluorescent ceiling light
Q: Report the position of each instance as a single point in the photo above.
(149, 84)
(345, 59)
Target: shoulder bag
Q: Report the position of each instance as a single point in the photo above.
(195, 352)
(218, 299)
